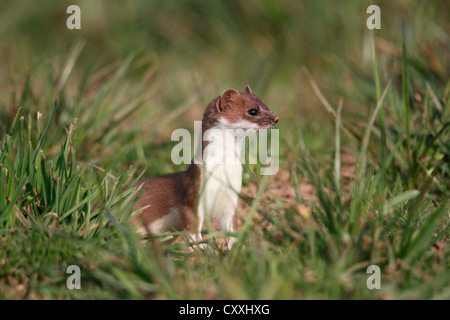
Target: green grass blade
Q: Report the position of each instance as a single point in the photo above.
(422, 240)
(405, 97)
(10, 208)
(381, 118)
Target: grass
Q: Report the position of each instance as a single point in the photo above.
(85, 114)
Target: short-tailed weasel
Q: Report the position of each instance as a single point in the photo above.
(209, 189)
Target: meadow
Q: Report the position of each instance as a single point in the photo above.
(364, 132)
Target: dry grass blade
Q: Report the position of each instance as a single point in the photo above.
(69, 66)
(318, 93)
(435, 98)
(365, 142)
(352, 132)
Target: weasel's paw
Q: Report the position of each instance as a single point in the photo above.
(195, 239)
(202, 246)
(230, 242)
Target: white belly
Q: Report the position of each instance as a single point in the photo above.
(220, 189)
(168, 223)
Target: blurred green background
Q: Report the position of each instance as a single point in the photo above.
(184, 53)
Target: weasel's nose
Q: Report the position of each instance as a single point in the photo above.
(275, 119)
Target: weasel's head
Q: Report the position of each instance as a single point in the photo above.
(243, 110)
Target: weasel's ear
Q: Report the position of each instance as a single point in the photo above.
(227, 98)
(248, 90)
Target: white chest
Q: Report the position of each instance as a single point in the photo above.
(221, 174)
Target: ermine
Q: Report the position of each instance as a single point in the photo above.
(210, 187)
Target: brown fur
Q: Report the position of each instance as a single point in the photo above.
(177, 190)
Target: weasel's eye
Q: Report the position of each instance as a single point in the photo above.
(252, 112)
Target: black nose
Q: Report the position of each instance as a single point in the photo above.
(275, 119)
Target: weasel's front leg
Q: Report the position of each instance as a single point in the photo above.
(226, 224)
(193, 225)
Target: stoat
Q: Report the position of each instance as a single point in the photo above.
(209, 188)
